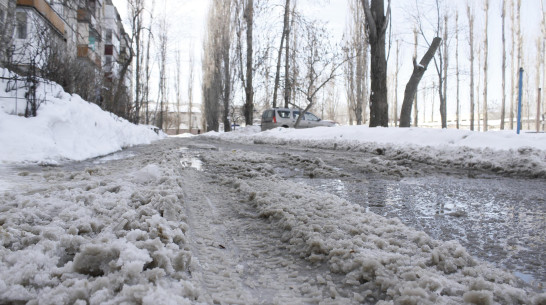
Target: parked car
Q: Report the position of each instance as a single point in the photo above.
(286, 118)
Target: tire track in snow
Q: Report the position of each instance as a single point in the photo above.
(237, 257)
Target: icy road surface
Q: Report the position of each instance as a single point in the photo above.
(199, 221)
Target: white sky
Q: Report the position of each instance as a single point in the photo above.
(187, 23)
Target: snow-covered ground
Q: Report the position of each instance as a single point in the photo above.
(181, 223)
(66, 128)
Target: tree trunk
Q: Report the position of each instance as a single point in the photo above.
(415, 99)
(503, 105)
(396, 84)
(485, 45)
(190, 89)
(377, 23)
(519, 38)
(279, 56)
(413, 83)
(458, 114)
(443, 91)
(249, 90)
(471, 45)
(287, 85)
(513, 59)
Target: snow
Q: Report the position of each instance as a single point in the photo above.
(501, 151)
(155, 227)
(66, 128)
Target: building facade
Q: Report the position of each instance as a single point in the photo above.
(80, 33)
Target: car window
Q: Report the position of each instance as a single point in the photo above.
(285, 114)
(311, 117)
(267, 114)
(296, 114)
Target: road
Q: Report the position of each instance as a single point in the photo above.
(188, 220)
(497, 218)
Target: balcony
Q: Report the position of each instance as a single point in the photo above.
(45, 10)
(85, 52)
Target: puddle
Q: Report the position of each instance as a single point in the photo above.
(12, 178)
(115, 156)
(501, 220)
(192, 162)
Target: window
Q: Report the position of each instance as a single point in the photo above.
(297, 114)
(108, 37)
(91, 42)
(311, 117)
(108, 50)
(22, 25)
(285, 114)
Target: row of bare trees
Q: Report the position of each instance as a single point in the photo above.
(435, 19)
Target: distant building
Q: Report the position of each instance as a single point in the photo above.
(179, 122)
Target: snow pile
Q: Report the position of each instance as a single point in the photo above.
(504, 152)
(98, 236)
(66, 127)
(382, 257)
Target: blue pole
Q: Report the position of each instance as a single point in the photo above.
(519, 97)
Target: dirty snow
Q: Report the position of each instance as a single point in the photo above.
(503, 152)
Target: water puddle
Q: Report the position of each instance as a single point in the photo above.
(500, 220)
(12, 178)
(192, 162)
(115, 156)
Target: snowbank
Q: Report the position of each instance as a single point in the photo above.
(98, 236)
(67, 127)
(504, 152)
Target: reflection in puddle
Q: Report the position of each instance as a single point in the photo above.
(192, 162)
(498, 220)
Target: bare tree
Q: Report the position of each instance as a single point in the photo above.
(480, 47)
(148, 69)
(321, 63)
(411, 87)
(356, 56)
(443, 101)
(485, 57)
(190, 88)
(284, 36)
(397, 69)
(503, 105)
(513, 75)
(136, 10)
(178, 89)
(415, 104)
(458, 114)
(217, 67)
(163, 40)
(537, 80)
(519, 40)
(426, 24)
(249, 90)
(377, 22)
(543, 61)
(225, 48)
(470, 15)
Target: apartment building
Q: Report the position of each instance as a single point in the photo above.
(38, 30)
(89, 31)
